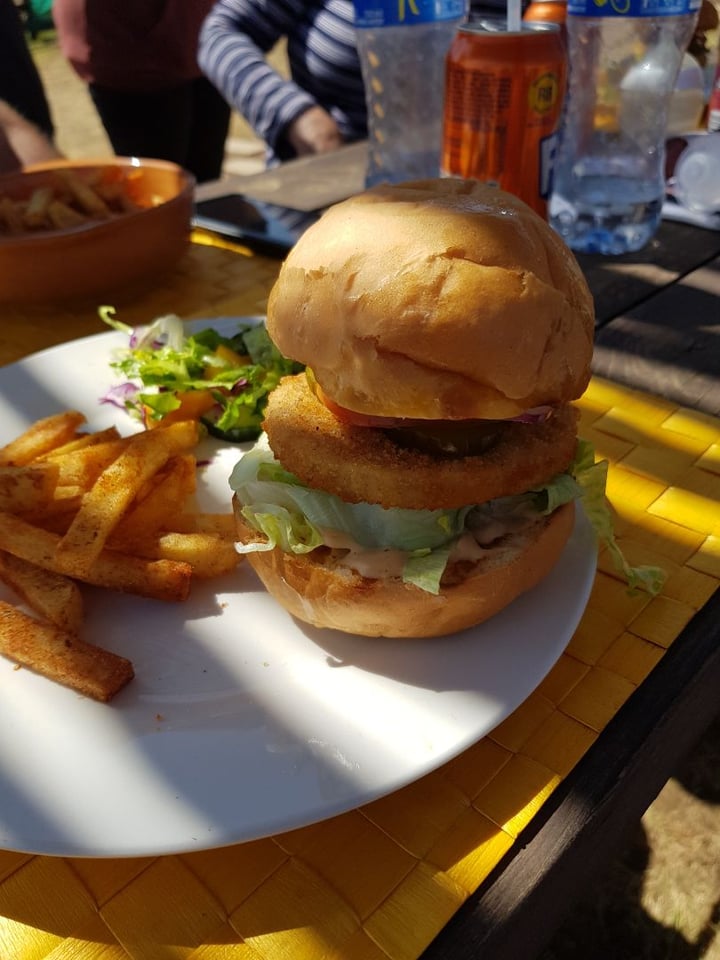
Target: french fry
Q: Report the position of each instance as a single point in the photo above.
(112, 193)
(157, 510)
(25, 489)
(56, 598)
(158, 579)
(81, 467)
(222, 524)
(61, 216)
(166, 580)
(83, 194)
(49, 651)
(114, 490)
(36, 211)
(42, 437)
(55, 515)
(82, 440)
(68, 491)
(208, 554)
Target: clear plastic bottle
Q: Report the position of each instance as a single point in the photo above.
(609, 179)
(697, 174)
(688, 100)
(402, 48)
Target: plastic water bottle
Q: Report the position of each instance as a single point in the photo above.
(402, 46)
(688, 100)
(624, 58)
(696, 177)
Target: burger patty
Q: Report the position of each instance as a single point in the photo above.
(364, 464)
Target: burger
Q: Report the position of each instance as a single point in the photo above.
(421, 473)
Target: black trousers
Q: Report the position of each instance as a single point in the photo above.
(187, 124)
(20, 83)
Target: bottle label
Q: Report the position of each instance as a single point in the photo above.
(394, 13)
(632, 8)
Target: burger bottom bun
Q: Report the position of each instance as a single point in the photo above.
(317, 590)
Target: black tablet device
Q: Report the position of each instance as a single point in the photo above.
(266, 227)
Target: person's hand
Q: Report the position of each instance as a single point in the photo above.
(314, 131)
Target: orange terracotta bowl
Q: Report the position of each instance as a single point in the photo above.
(146, 231)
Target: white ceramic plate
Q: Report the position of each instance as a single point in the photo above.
(241, 722)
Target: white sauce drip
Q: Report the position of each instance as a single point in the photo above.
(378, 564)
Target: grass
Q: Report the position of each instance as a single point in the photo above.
(660, 900)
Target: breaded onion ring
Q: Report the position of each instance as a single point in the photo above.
(362, 464)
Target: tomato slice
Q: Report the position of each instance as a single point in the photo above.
(352, 417)
(443, 437)
(453, 437)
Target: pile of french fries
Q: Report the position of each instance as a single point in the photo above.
(68, 199)
(97, 508)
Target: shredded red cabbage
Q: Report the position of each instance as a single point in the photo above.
(534, 415)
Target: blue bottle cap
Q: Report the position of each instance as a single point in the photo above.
(394, 13)
(632, 8)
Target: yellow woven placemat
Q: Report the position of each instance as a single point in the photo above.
(381, 881)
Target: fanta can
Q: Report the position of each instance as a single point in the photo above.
(504, 91)
(546, 11)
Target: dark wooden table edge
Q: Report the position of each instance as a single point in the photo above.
(515, 912)
(620, 284)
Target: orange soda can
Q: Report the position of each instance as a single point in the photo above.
(546, 11)
(504, 92)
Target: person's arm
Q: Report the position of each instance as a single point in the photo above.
(236, 36)
(21, 142)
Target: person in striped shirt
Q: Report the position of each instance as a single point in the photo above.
(321, 105)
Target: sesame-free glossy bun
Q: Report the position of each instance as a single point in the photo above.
(314, 588)
(437, 299)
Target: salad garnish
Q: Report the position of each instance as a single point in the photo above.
(170, 374)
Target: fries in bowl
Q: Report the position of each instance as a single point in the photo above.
(75, 230)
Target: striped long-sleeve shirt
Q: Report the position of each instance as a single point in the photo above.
(322, 57)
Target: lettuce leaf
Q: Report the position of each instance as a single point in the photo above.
(294, 517)
(298, 519)
(425, 568)
(591, 477)
(289, 530)
(562, 489)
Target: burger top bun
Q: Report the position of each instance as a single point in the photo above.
(436, 299)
